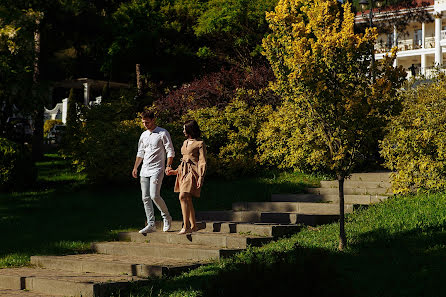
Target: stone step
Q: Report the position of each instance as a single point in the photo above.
(267, 217)
(348, 199)
(115, 265)
(24, 293)
(66, 283)
(296, 198)
(230, 241)
(173, 251)
(177, 225)
(371, 176)
(351, 191)
(356, 184)
(260, 229)
(293, 207)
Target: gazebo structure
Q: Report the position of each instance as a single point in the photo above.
(87, 85)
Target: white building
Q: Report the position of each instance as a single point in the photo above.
(59, 112)
(422, 45)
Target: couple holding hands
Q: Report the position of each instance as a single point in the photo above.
(154, 147)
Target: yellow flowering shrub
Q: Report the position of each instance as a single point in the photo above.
(335, 102)
(231, 134)
(49, 124)
(415, 144)
(283, 141)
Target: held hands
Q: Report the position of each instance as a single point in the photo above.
(170, 171)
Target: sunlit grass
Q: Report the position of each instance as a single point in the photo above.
(395, 248)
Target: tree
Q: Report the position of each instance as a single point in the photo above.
(72, 113)
(155, 40)
(322, 66)
(233, 29)
(17, 56)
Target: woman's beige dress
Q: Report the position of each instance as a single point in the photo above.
(192, 167)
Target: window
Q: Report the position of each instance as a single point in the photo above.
(390, 40)
(418, 38)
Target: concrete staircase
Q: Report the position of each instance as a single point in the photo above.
(317, 206)
(113, 266)
(133, 258)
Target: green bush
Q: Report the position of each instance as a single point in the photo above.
(48, 125)
(415, 144)
(281, 139)
(231, 134)
(17, 170)
(105, 145)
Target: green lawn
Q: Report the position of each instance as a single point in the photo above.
(396, 248)
(64, 213)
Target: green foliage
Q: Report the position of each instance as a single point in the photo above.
(415, 144)
(17, 170)
(236, 28)
(48, 125)
(281, 139)
(105, 145)
(16, 53)
(322, 68)
(230, 134)
(72, 113)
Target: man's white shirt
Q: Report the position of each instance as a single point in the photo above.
(153, 147)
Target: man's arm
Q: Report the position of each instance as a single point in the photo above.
(170, 152)
(139, 157)
(168, 145)
(169, 165)
(135, 167)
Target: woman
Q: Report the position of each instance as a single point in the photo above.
(190, 174)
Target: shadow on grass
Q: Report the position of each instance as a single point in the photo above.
(409, 264)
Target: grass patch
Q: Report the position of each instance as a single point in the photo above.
(63, 213)
(395, 248)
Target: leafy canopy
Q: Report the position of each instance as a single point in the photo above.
(323, 68)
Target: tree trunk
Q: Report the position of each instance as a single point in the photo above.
(342, 237)
(139, 81)
(37, 140)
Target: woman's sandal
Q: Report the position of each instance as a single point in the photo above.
(184, 231)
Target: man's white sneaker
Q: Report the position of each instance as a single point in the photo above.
(147, 229)
(167, 223)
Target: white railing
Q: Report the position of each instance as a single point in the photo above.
(429, 42)
(430, 72)
(406, 45)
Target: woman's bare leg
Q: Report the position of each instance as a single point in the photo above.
(184, 197)
(193, 224)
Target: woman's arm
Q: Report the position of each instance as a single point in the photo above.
(201, 165)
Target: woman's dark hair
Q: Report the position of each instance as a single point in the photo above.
(192, 129)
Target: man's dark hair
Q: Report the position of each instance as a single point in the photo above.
(147, 115)
(192, 129)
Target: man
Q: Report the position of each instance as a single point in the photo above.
(153, 146)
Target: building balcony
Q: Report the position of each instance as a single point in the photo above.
(409, 44)
(426, 72)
